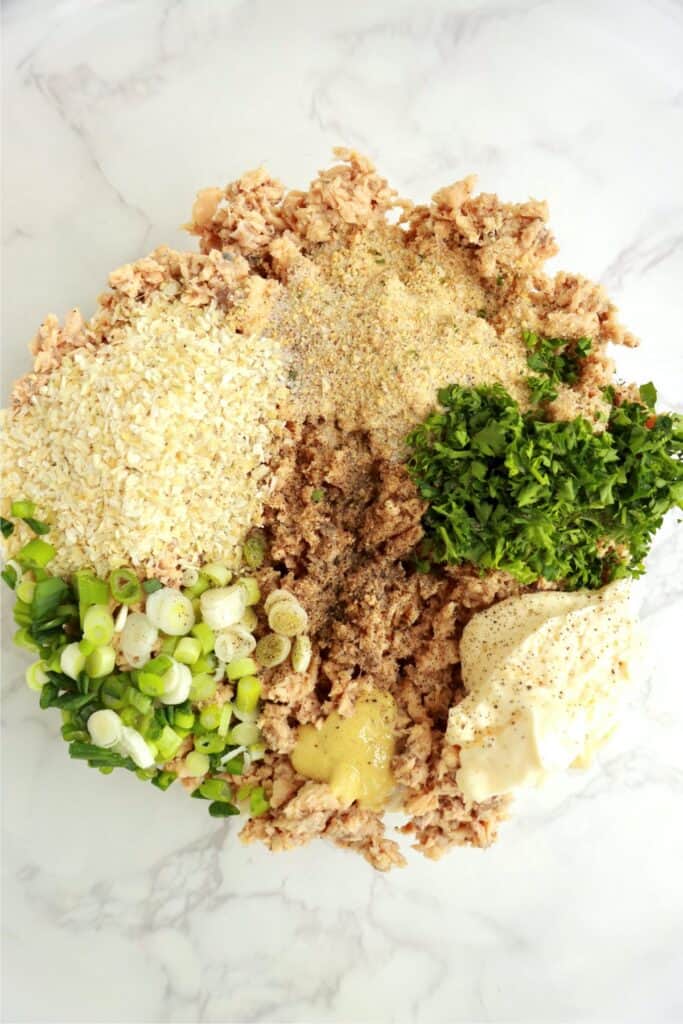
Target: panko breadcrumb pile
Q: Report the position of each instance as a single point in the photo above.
(145, 436)
(271, 380)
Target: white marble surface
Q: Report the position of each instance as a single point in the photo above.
(122, 904)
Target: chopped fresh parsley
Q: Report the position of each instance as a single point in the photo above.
(508, 490)
(648, 394)
(556, 360)
(317, 495)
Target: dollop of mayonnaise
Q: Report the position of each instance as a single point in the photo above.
(546, 675)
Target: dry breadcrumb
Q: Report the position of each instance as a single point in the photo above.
(376, 317)
(152, 450)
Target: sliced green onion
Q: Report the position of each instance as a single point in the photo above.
(86, 646)
(287, 618)
(48, 595)
(25, 590)
(162, 780)
(48, 695)
(233, 761)
(203, 687)
(189, 577)
(197, 764)
(275, 597)
(245, 642)
(205, 664)
(22, 509)
(215, 789)
(72, 661)
(168, 645)
(251, 590)
(224, 645)
(36, 553)
(121, 619)
(10, 576)
(101, 662)
(72, 732)
(245, 716)
(234, 643)
(6, 527)
(98, 625)
(302, 653)
(168, 743)
(37, 525)
(21, 613)
(170, 611)
(184, 718)
(140, 701)
(258, 804)
(218, 809)
(188, 650)
(129, 716)
(151, 684)
(272, 650)
(205, 635)
(197, 588)
(137, 639)
(149, 586)
(254, 549)
(241, 667)
(36, 676)
(105, 728)
(97, 756)
(248, 693)
(244, 734)
(210, 717)
(53, 662)
(224, 722)
(177, 684)
(243, 792)
(257, 751)
(90, 590)
(150, 727)
(249, 620)
(217, 573)
(160, 665)
(137, 748)
(211, 743)
(125, 586)
(223, 607)
(112, 691)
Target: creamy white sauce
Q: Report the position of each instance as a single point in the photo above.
(546, 675)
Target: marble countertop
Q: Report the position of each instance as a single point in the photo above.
(120, 904)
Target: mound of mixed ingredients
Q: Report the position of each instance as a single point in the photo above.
(337, 516)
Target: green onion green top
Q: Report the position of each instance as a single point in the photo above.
(125, 586)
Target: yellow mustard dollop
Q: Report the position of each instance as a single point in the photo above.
(352, 754)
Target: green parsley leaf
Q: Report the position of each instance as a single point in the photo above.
(648, 393)
(555, 361)
(508, 490)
